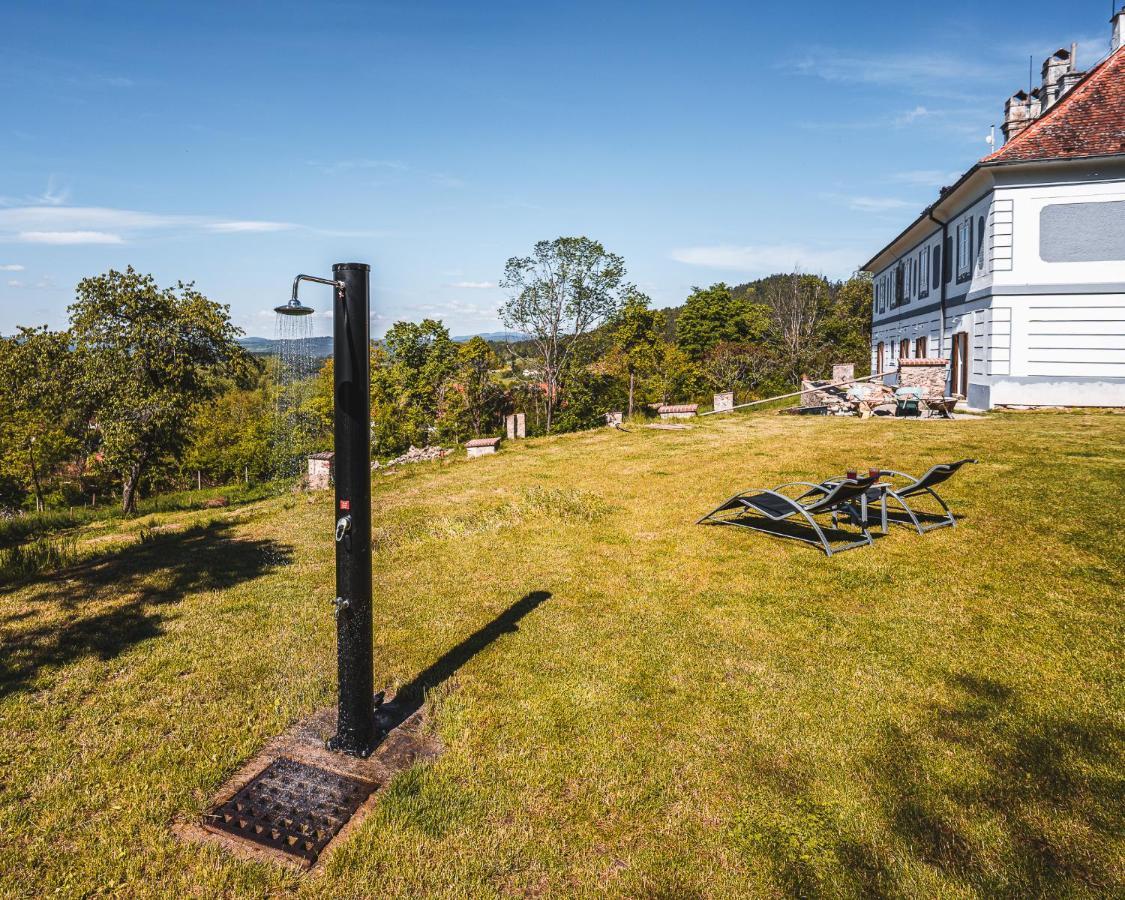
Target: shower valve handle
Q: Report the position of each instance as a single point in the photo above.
(343, 526)
(341, 604)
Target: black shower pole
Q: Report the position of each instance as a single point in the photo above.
(355, 728)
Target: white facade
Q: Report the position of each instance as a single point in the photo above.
(1034, 286)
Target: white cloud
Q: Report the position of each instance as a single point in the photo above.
(474, 285)
(926, 73)
(913, 115)
(69, 237)
(768, 258)
(877, 204)
(926, 177)
(15, 284)
(57, 224)
(249, 226)
(11, 267)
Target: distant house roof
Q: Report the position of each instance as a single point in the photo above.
(681, 408)
(324, 454)
(1089, 120)
(926, 361)
(483, 442)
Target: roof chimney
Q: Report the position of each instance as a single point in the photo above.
(1054, 67)
(1119, 29)
(1019, 112)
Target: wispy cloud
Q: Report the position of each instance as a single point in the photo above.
(390, 166)
(925, 177)
(913, 115)
(766, 258)
(69, 237)
(11, 267)
(63, 225)
(248, 226)
(474, 285)
(924, 73)
(868, 204)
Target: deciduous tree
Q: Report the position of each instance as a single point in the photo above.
(147, 355)
(558, 294)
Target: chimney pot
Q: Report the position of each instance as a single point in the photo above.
(1118, 29)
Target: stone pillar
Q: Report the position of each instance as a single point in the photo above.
(723, 402)
(614, 418)
(521, 425)
(510, 425)
(843, 372)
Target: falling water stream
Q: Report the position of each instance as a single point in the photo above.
(296, 368)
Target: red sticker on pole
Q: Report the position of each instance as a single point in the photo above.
(345, 504)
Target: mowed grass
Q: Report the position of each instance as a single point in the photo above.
(693, 711)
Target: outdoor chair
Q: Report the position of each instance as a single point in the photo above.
(908, 401)
(757, 508)
(916, 487)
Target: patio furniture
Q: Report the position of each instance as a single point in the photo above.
(907, 401)
(916, 487)
(756, 508)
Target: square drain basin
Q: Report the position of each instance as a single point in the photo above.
(291, 807)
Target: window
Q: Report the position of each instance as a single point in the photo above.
(964, 250)
(900, 285)
(1082, 232)
(937, 267)
(924, 272)
(879, 358)
(980, 244)
(920, 348)
(904, 349)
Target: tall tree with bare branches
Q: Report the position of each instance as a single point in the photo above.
(797, 304)
(566, 288)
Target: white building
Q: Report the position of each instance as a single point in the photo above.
(1016, 273)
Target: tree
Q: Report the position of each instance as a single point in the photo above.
(409, 384)
(39, 428)
(482, 395)
(797, 305)
(148, 356)
(713, 315)
(729, 366)
(846, 326)
(566, 288)
(636, 333)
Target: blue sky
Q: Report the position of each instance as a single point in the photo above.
(235, 144)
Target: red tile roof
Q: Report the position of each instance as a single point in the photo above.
(483, 442)
(1088, 121)
(679, 408)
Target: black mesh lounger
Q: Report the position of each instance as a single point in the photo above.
(924, 485)
(754, 508)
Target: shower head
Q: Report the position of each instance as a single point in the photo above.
(293, 308)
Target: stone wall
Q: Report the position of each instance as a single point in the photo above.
(928, 374)
(723, 402)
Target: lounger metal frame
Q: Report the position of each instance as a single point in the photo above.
(934, 475)
(839, 496)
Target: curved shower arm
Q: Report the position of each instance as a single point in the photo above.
(339, 285)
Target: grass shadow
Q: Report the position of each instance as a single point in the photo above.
(986, 791)
(115, 600)
(410, 697)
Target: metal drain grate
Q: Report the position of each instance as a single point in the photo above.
(291, 807)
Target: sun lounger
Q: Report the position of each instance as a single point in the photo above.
(757, 508)
(916, 487)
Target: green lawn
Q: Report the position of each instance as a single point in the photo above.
(693, 711)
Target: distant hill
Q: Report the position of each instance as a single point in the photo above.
(510, 337)
(321, 347)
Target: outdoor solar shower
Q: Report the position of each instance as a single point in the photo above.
(355, 727)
